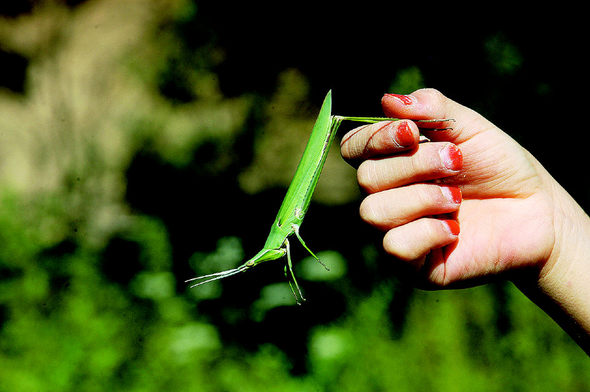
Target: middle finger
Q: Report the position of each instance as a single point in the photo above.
(429, 161)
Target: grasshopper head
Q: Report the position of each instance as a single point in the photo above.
(266, 255)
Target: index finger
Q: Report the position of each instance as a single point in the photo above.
(382, 138)
(425, 104)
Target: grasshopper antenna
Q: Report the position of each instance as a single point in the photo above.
(216, 276)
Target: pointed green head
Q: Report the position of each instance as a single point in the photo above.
(266, 255)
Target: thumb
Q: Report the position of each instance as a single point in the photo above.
(427, 104)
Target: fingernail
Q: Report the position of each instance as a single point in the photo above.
(405, 99)
(452, 226)
(404, 135)
(452, 193)
(451, 157)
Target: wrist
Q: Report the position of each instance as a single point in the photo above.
(561, 286)
(569, 260)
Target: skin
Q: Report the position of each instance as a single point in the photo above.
(512, 220)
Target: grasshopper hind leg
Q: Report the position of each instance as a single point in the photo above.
(296, 230)
(289, 271)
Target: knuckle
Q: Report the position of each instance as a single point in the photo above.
(369, 210)
(345, 151)
(391, 245)
(366, 175)
(350, 144)
(434, 94)
(395, 246)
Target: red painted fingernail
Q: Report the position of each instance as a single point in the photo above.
(404, 135)
(405, 99)
(452, 193)
(452, 226)
(452, 157)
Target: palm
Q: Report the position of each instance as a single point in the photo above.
(505, 214)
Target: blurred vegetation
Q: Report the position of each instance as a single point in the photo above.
(144, 142)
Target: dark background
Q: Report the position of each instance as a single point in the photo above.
(88, 307)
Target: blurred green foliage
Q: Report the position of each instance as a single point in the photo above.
(145, 142)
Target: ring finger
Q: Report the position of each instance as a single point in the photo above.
(395, 207)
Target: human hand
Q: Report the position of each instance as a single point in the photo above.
(472, 205)
(506, 220)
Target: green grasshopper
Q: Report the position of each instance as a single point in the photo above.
(297, 199)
